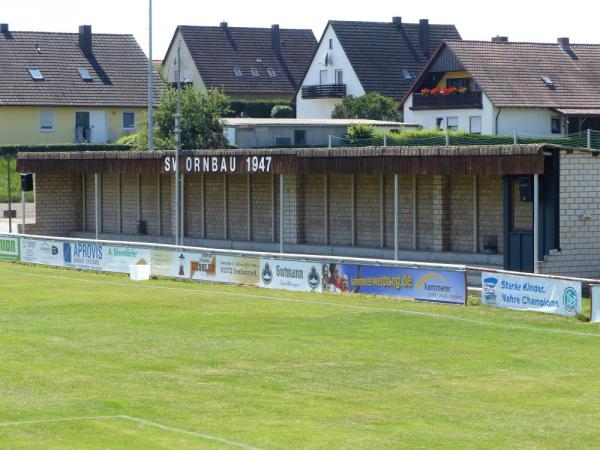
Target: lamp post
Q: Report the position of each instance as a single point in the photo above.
(150, 83)
(177, 143)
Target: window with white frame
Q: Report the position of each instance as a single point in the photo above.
(452, 123)
(129, 121)
(322, 76)
(330, 44)
(339, 76)
(46, 120)
(475, 124)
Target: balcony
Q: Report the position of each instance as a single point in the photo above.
(455, 101)
(324, 91)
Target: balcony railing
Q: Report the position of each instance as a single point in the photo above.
(455, 101)
(324, 91)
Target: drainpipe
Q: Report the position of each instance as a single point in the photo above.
(497, 116)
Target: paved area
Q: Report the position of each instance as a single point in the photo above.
(29, 216)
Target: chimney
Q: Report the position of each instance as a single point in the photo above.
(3, 28)
(564, 42)
(275, 38)
(397, 21)
(224, 26)
(424, 36)
(85, 39)
(500, 39)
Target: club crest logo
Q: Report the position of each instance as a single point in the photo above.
(570, 299)
(314, 280)
(267, 274)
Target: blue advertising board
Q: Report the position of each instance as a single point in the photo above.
(442, 286)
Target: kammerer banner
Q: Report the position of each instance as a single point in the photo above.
(442, 286)
(290, 275)
(9, 248)
(531, 293)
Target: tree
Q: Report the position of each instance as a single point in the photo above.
(370, 106)
(200, 118)
(360, 131)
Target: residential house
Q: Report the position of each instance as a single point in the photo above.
(245, 63)
(502, 87)
(70, 87)
(354, 58)
(268, 133)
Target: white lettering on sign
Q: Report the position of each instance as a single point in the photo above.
(219, 164)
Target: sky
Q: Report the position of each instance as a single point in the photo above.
(520, 20)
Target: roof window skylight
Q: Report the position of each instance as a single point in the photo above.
(36, 74)
(271, 72)
(237, 72)
(254, 73)
(548, 82)
(406, 74)
(84, 73)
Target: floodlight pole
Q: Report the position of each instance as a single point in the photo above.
(177, 142)
(9, 193)
(150, 83)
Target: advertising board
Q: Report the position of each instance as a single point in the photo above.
(290, 275)
(9, 248)
(42, 251)
(118, 259)
(530, 293)
(442, 286)
(83, 255)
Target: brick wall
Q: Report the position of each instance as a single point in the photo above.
(405, 211)
(340, 210)
(149, 203)
(262, 214)
(110, 203)
(579, 237)
(491, 211)
(166, 193)
(193, 205)
(58, 204)
(368, 220)
(237, 207)
(129, 203)
(424, 213)
(461, 214)
(293, 229)
(314, 209)
(214, 206)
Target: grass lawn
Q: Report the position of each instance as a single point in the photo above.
(95, 361)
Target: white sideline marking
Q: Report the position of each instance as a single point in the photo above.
(137, 420)
(314, 302)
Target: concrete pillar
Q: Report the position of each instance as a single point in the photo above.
(441, 213)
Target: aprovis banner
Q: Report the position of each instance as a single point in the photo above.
(290, 275)
(530, 293)
(442, 286)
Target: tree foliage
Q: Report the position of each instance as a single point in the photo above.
(370, 106)
(282, 112)
(360, 131)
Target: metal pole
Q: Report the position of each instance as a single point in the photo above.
(150, 83)
(281, 201)
(329, 144)
(23, 209)
(415, 211)
(353, 208)
(385, 139)
(589, 138)
(96, 203)
(249, 205)
(536, 222)
(182, 207)
(326, 209)
(515, 139)
(273, 237)
(177, 141)
(84, 200)
(447, 137)
(396, 213)
(9, 193)
(381, 212)
(159, 204)
(120, 204)
(475, 214)
(203, 182)
(225, 209)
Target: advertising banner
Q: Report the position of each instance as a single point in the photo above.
(442, 286)
(83, 255)
(530, 293)
(9, 248)
(118, 259)
(205, 267)
(595, 309)
(290, 275)
(41, 251)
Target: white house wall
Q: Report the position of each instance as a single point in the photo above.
(322, 108)
(188, 67)
(428, 118)
(535, 122)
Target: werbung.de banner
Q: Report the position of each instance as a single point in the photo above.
(442, 286)
(530, 293)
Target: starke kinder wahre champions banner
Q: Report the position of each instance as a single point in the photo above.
(530, 293)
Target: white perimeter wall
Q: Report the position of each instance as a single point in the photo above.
(322, 108)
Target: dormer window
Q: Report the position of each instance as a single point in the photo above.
(36, 74)
(84, 74)
(237, 72)
(254, 73)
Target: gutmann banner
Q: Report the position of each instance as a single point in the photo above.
(290, 275)
(441, 286)
(530, 293)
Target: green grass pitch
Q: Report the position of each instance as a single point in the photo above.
(92, 361)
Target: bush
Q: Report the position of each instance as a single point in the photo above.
(282, 112)
(127, 139)
(360, 131)
(14, 149)
(258, 109)
(370, 106)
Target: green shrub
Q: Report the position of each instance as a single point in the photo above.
(360, 131)
(258, 109)
(282, 112)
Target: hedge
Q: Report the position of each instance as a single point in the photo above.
(9, 150)
(258, 109)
